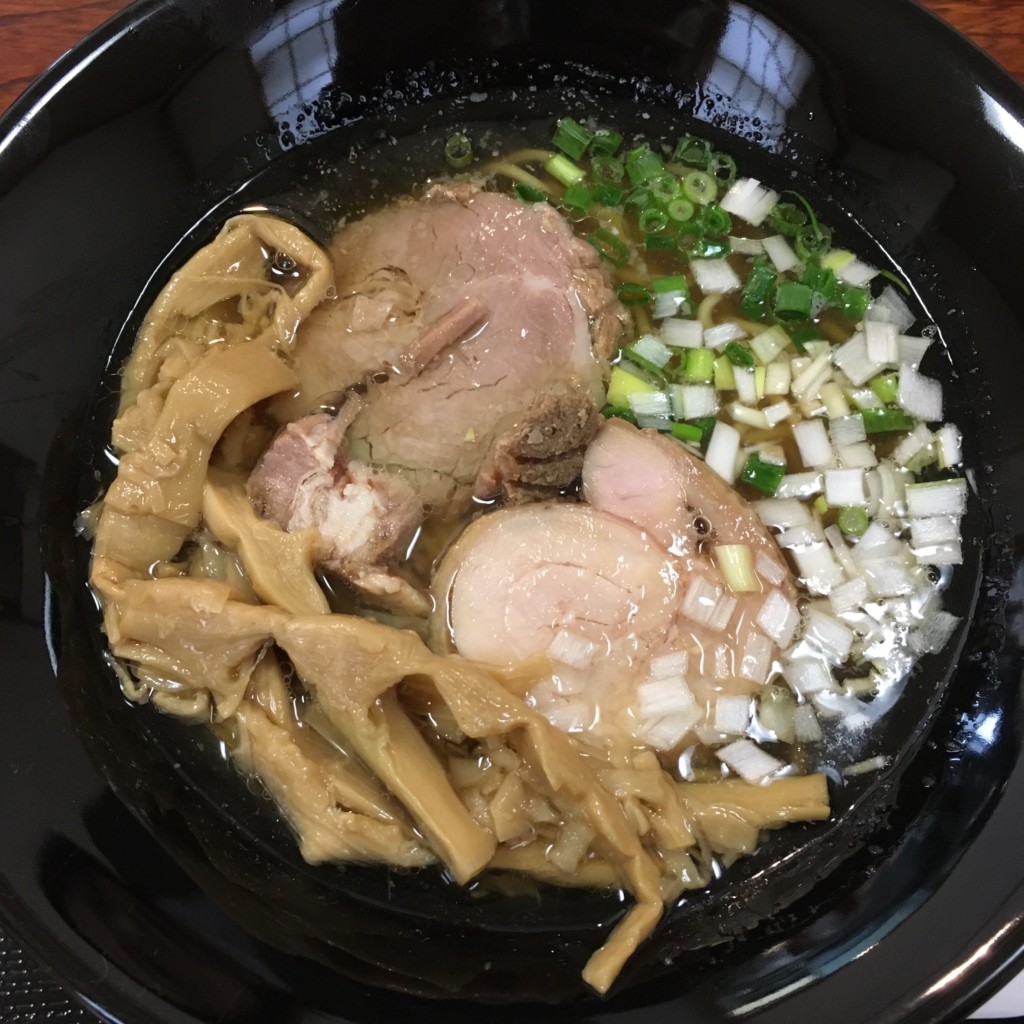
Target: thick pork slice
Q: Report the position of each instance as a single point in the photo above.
(623, 593)
(484, 310)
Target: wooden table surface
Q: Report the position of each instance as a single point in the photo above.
(33, 33)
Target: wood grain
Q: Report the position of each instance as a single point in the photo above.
(34, 33)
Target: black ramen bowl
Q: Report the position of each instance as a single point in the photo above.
(149, 876)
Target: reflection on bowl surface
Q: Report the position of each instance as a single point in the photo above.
(132, 178)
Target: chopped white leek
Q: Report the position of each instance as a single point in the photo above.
(778, 377)
(890, 307)
(721, 334)
(806, 727)
(732, 714)
(682, 333)
(807, 675)
(748, 760)
(938, 498)
(572, 649)
(847, 430)
(777, 412)
(880, 343)
(653, 403)
(853, 359)
(857, 456)
(756, 659)
(856, 272)
(782, 513)
(693, 401)
(911, 350)
(812, 441)
(722, 450)
(919, 395)
(948, 446)
(750, 417)
(800, 485)
(715, 277)
(778, 617)
(769, 344)
(833, 638)
(780, 252)
(749, 200)
(651, 349)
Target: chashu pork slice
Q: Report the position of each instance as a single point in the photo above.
(619, 591)
(494, 319)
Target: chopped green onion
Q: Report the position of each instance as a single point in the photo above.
(578, 197)
(760, 282)
(854, 301)
(699, 367)
(803, 334)
(765, 476)
(707, 427)
(632, 294)
(564, 170)
(700, 187)
(605, 141)
(623, 385)
(886, 387)
(725, 379)
(852, 520)
(613, 249)
(670, 283)
(607, 168)
(458, 151)
(652, 220)
(688, 237)
(738, 355)
(644, 363)
(659, 241)
(898, 281)
(821, 280)
(692, 151)
(679, 209)
(786, 219)
(882, 421)
(793, 301)
(711, 248)
(642, 165)
(736, 562)
(714, 219)
(722, 168)
(619, 412)
(572, 138)
(609, 195)
(640, 198)
(528, 193)
(665, 188)
(687, 432)
(813, 240)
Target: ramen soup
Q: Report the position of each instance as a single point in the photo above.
(546, 522)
